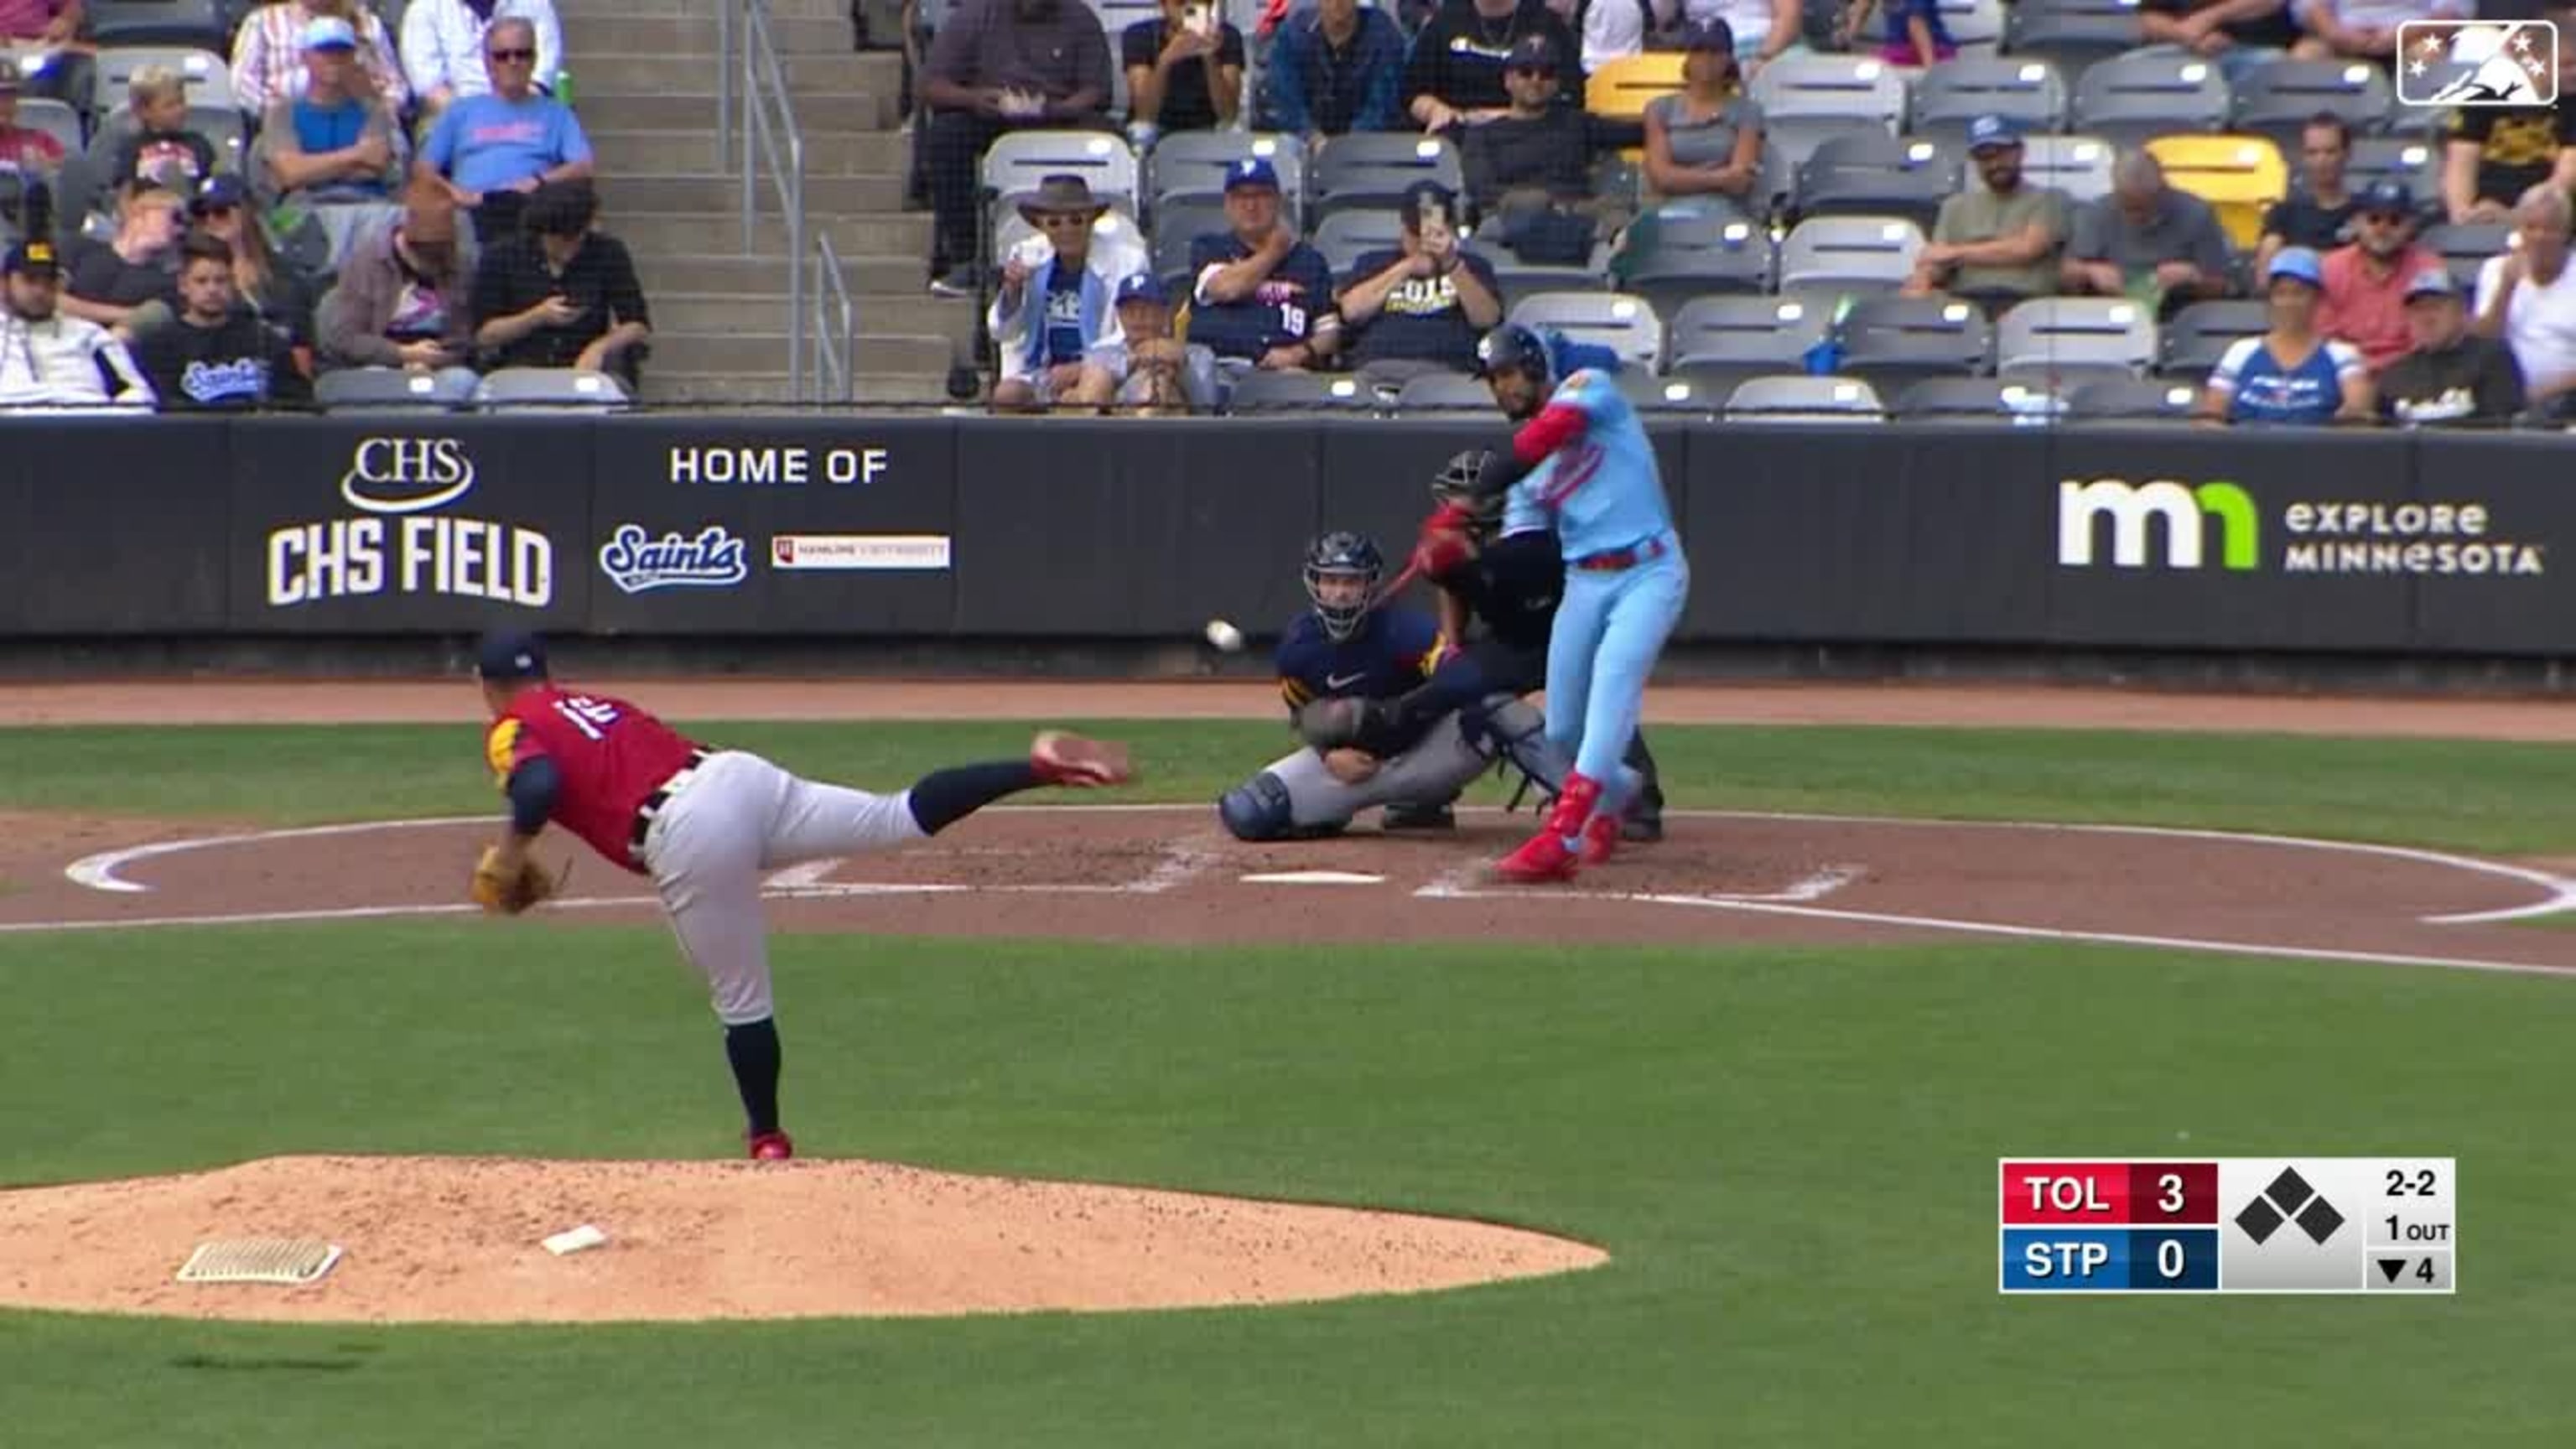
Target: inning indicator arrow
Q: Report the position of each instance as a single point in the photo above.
(2391, 1267)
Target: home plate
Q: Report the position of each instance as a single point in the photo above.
(1313, 877)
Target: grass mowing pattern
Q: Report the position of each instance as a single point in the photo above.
(1789, 1151)
(2493, 798)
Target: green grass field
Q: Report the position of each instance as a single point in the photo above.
(1789, 1152)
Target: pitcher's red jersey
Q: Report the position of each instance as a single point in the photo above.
(611, 754)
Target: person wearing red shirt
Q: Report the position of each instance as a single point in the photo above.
(704, 823)
(2365, 279)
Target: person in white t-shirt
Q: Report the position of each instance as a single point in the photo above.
(2527, 297)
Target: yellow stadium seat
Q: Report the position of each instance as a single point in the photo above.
(1621, 88)
(2239, 176)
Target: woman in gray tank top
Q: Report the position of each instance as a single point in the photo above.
(1704, 143)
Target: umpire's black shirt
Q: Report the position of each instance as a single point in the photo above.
(1513, 584)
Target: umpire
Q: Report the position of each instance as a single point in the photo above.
(1511, 582)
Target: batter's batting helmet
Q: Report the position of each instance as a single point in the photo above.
(1514, 348)
(1343, 555)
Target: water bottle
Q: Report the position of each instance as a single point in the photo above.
(563, 86)
(1825, 358)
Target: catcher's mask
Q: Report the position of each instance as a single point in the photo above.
(1341, 556)
(1456, 483)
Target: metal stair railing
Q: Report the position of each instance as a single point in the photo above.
(752, 98)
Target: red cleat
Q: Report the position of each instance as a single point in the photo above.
(1069, 759)
(1600, 840)
(772, 1147)
(1545, 856)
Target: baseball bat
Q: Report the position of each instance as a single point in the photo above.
(1411, 569)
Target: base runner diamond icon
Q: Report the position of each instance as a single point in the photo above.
(2477, 63)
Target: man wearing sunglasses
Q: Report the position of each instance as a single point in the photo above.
(491, 150)
(443, 44)
(2366, 280)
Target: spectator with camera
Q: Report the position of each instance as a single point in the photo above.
(1422, 306)
(1336, 67)
(998, 66)
(219, 356)
(1184, 71)
(561, 294)
(2451, 375)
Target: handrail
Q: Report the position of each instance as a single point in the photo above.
(770, 139)
(833, 362)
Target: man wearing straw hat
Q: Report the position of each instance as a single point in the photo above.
(1054, 319)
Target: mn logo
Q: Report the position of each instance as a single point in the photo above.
(2477, 63)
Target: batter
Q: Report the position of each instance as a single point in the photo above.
(705, 824)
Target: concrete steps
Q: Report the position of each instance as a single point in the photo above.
(758, 343)
(707, 194)
(920, 315)
(579, 15)
(625, 30)
(827, 153)
(876, 278)
(746, 389)
(701, 233)
(695, 110)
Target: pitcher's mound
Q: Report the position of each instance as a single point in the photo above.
(440, 1239)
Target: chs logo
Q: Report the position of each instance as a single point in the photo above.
(2185, 513)
(2477, 63)
(406, 475)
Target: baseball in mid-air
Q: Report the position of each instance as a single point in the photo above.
(1224, 636)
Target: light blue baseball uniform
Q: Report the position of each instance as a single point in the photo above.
(1604, 492)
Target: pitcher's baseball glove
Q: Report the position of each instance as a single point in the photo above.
(504, 893)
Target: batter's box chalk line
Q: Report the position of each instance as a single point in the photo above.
(1460, 883)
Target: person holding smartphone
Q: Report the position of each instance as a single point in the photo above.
(402, 295)
(1420, 307)
(561, 294)
(1184, 71)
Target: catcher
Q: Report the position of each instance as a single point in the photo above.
(703, 824)
(1343, 654)
(1508, 576)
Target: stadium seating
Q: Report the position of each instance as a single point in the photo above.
(1188, 167)
(1977, 400)
(1298, 392)
(1365, 170)
(2131, 399)
(1807, 99)
(2071, 34)
(1175, 229)
(1620, 88)
(2241, 177)
(2465, 246)
(2080, 166)
(1702, 256)
(1871, 175)
(1851, 253)
(1345, 236)
(2201, 333)
(1804, 400)
(2129, 99)
(549, 387)
(1955, 92)
(195, 24)
(1019, 160)
(390, 389)
(2278, 100)
(208, 75)
(1893, 342)
(1444, 392)
(1670, 396)
(2413, 160)
(2067, 337)
(1975, 26)
(1721, 341)
(1624, 324)
(55, 118)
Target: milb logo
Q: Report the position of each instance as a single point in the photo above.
(2133, 510)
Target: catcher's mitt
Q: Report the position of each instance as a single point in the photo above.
(1333, 724)
(506, 893)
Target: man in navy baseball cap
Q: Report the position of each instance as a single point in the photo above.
(1252, 172)
(1164, 375)
(2365, 280)
(1997, 245)
(505, 655)
(1260, 296)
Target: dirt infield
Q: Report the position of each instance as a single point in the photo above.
(455, 1239)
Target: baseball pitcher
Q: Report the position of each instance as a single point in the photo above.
(704, 824)
(1344, 649)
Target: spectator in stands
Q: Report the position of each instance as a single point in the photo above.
(494, 150)
(2452, 375)
(561, 294)
(332, 142)
(1540, 153)
(2365, 29)
(1455, 76)
(1704, 142)
(1420, 307)
(1998, 245)
(1335, 68)
(1163, 374)
(47, 359)
(2492, 155)
(996, 66)
(23, 149)
(2243, 36)
(1053, 319)
(1916, 36)
(219, 355)
(1184, 71)
(128, 284)
(271, 285)
(1616, 29)
(402, 299)
(2292, 373)
(1764, 30)
(1261, 296)
(2366, 280)
(44, 32)
(2147, 241)
(2318, 212)
(2527, 299)
(269, 63)
(443, 47)
(150, 139)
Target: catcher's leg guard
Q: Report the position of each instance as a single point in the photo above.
(1258, 809)
(1514, 730)
(1643, 822)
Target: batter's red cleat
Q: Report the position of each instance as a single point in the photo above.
(772, 1147)
(1069, 759)
(1546, 856)
(1600, 840)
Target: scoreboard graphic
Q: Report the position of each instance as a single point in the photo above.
(2233, 1225)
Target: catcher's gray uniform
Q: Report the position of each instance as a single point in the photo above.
(1297, 796)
